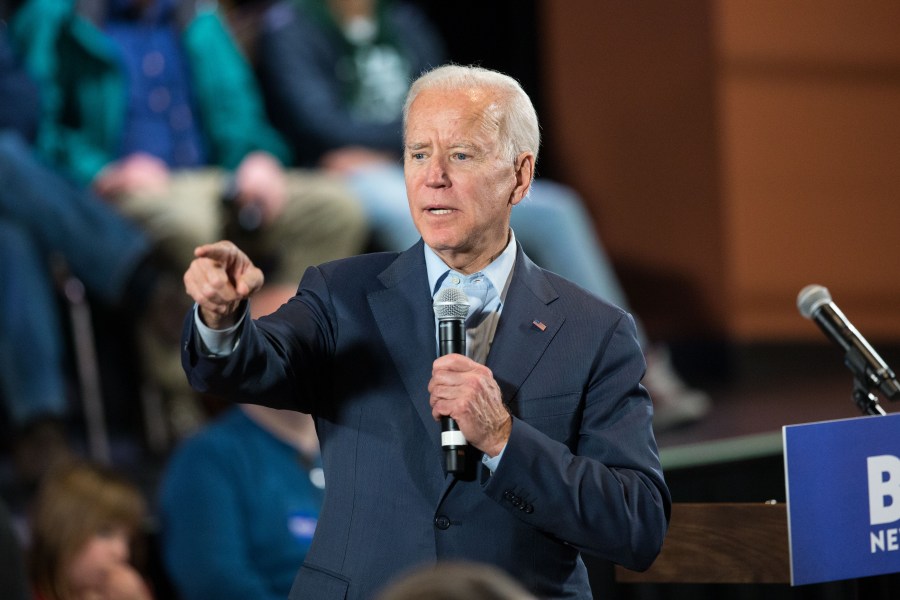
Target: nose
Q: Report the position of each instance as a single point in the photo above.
(436, 173)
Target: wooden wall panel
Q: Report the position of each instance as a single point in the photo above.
(630, 108)
(732, 152)
(809, 144)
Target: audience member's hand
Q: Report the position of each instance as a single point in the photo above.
(219, 279)
(136, 173)
(466, 391)
(261, 180)
(344, 161)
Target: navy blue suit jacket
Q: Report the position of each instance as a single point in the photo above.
(355, 348)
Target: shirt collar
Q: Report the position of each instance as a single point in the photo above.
(497, 272)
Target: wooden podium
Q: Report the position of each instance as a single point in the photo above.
(721, 543)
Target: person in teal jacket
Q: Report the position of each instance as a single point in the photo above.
(67, 46)
(196, 79)
(152, 104)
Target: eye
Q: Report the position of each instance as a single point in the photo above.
(460, 156)
(417, 155)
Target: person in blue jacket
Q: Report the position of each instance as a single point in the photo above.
(238, 505)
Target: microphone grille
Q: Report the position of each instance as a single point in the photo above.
(811, 298)
(451, 303)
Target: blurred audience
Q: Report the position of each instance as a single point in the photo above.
(13, 578)
(32, 383)
(152, 104)
(335, 75)
(46, 221)
(455, 581)
(87, 523)
(239, 502)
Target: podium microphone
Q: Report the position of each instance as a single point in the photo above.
(451, 305)
(815, 303)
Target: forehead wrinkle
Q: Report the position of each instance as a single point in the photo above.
(477, 126)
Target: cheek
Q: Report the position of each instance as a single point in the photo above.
(88, 566)
(495, 195)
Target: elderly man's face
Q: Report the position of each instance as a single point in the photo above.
(460, 183)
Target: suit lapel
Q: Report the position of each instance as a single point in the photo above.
(405, 319)
(527, 325)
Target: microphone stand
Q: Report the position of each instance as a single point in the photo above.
(865, 399)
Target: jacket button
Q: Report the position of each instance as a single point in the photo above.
(441, 522)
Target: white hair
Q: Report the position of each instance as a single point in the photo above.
(519, 129)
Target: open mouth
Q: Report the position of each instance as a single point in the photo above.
(440, 211)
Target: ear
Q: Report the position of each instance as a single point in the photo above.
(524, 172)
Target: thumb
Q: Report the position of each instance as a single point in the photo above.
(249, 281)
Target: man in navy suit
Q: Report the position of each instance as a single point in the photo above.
(562, 457)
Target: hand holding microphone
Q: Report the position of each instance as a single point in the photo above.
(451, 305)
(814, 302)
(464, 388)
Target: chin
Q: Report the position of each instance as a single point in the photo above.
(439, 242)
(431, 236)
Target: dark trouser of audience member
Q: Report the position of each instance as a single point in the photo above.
(44, 219)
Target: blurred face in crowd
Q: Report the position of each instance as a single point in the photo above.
(100, 556)
(460, 180)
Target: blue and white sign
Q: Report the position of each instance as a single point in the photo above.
(843, 496)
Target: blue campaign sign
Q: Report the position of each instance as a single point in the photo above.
(843, 496)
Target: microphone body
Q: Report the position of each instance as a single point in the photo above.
(814, 302)
(451, 305)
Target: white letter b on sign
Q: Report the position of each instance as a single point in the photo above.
(884, 489)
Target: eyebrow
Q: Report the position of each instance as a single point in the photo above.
(464, 146)
(454, 145)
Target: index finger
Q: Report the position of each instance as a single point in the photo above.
(221, 250)
(454, 362)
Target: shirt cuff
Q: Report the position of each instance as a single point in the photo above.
(217, 342)
(492, 463)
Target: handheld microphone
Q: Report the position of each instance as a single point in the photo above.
(815, 303)
(451, 305)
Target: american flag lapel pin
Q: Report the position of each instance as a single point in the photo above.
(539, 325)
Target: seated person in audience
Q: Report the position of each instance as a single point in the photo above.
(153, 105)
(32, 372)
(239, 502)
(85, 522)
(335, 74)
(44, 220)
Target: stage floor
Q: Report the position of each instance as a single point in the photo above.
(764, 388)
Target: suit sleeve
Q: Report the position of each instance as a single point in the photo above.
(272, 354)
(607, 496)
